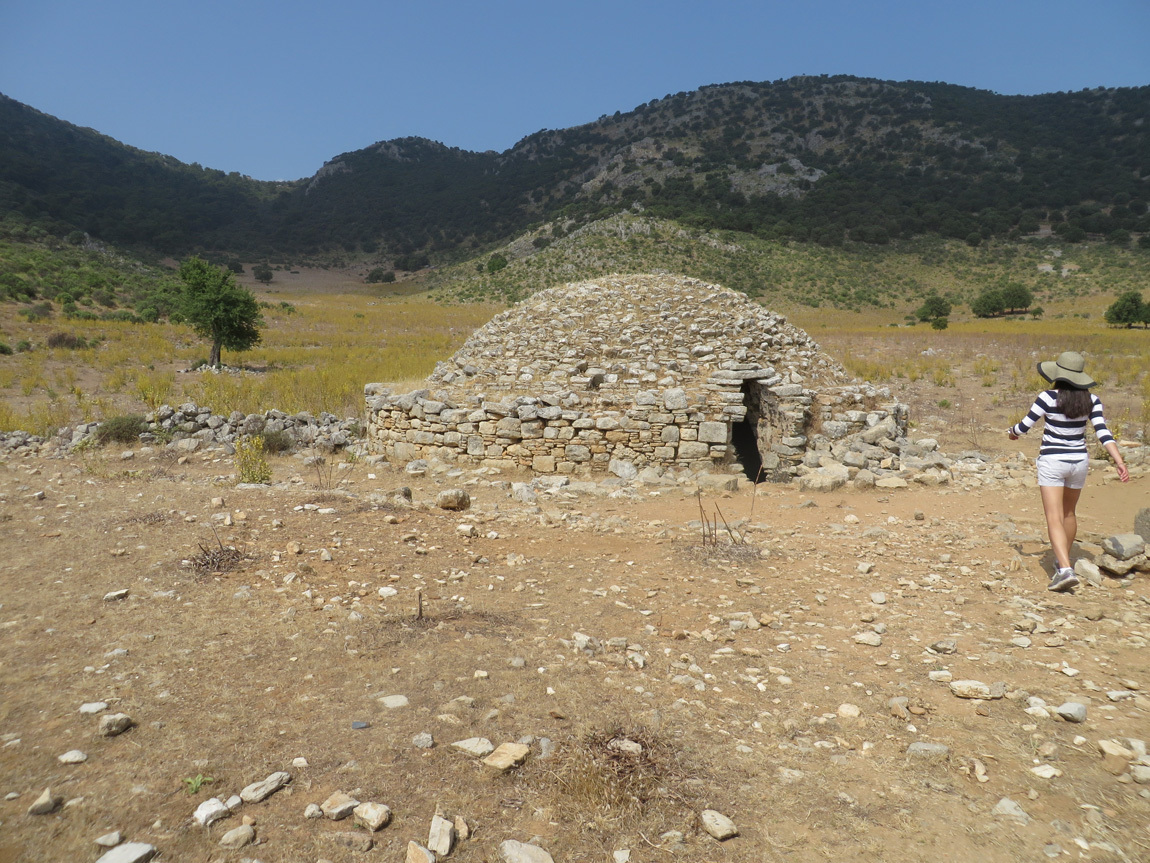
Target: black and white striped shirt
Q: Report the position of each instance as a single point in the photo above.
(1063, 437)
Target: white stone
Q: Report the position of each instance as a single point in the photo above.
(441, 836)
(373, 816)
(1007, 808)
(394, 702)
(238, 837)
(718, 825)
(259, 791)
(480, 747)
(970, 689)
(210, 811)
(339, 806)
(513, 851)
(72, 756)
(129, 852)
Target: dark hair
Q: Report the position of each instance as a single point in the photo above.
(1073, 402)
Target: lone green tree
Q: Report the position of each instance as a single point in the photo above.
(988, 304)
(263, 273)
(1128, 310)
(218, 309)
(934, 307)
(1016, 296)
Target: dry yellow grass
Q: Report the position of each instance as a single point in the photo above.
(316, 359)
(319, 357)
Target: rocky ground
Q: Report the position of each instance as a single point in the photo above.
(852, 675)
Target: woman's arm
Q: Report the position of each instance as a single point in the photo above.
(1123, 471)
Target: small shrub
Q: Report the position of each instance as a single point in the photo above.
(66, 340)
(121, 429)
(5, 349)
(251, 463)
(37, 312)
(276, 442)
(939, 324)
(23, 346)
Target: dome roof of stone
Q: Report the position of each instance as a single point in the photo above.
(630, 330)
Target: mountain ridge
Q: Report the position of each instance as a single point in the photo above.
(826, 159)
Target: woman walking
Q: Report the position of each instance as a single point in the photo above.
(1062, 457)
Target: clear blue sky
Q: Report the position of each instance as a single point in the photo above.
(274, 89)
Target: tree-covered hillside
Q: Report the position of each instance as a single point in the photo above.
(819, 159)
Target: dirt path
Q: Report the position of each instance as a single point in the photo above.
(579, 620)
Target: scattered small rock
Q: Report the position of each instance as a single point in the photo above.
(258, 791)
(238, 837)
(508, 755)
(373, 816)
(718, 825)
(114, 724)
(1072, 711)
(339, 806)
(520, 852)
(46, 803)
(129, 852)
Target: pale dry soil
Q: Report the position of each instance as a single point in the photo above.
(233, 675)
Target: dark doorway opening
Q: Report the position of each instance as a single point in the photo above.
(747, 448)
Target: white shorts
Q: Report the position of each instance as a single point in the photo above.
(1054, 471)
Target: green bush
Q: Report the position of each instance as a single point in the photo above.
(5, 349)
(276, 442)
(121, 429)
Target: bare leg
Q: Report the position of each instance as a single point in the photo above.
(1053, 497)
(1069, 515)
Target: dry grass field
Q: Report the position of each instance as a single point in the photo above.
(594, 627)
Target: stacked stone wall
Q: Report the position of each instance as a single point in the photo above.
(639, 370)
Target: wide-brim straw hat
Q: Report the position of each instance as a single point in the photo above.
(1069, 368)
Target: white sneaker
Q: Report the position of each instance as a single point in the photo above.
(1064, 579)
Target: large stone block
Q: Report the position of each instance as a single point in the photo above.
(576, 453)
(692, 450)
(714, 432)
(675, 400)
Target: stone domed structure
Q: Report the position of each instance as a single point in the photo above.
(628, 371)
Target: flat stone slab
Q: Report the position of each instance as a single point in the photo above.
(416, 853)
(352, 841)
(129, 852)
(520, 852)
(339, 806)
(508, 755)
(480, 747)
